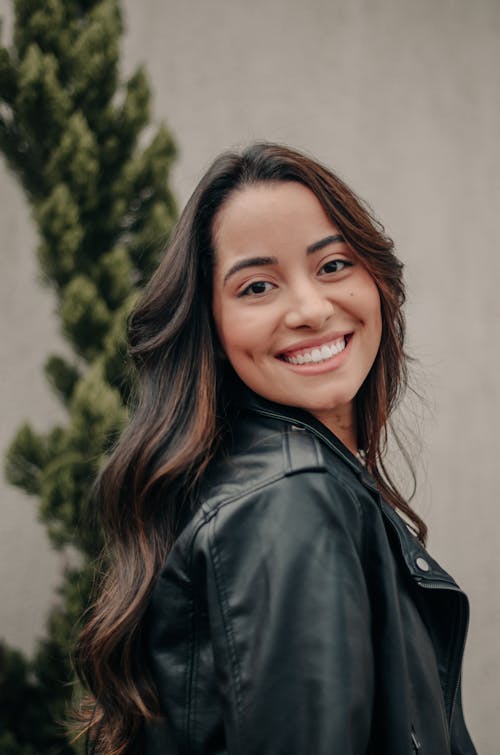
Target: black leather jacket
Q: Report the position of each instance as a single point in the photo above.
(296, 612)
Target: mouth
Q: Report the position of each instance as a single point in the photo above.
(316, 354)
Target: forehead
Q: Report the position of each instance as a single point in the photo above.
(271, 215)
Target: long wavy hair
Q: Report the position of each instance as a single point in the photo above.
(149, 482)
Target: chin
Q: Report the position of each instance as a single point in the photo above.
(318, 407)
(329, 403)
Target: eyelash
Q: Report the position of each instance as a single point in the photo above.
(344, 263)
(247, 291)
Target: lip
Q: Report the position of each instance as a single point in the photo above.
(313, 343)
(327, 365)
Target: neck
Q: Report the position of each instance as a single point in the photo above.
(341, 421)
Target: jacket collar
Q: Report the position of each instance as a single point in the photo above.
(250, 401)
(411, 549)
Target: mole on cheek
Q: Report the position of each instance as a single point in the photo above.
(351, 293)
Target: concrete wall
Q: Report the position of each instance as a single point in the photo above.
(402, 99)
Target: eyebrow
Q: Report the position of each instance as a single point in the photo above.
(262, 261)
(250, 262)
(334, 239)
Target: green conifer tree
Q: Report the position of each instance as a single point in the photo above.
(69, 129)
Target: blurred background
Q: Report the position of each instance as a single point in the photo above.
(401, 98)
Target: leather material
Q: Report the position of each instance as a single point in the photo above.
(295, 614)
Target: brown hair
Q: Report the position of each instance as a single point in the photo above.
(149, 482)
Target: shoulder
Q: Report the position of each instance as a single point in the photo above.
(261, 451)
(274, 490)
(276, 477)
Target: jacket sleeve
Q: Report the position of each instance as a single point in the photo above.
(290, 619)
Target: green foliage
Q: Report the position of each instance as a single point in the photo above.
(61, 233)
(69, 129)
(75, 161)
(25, 459)
(62, 376)
(28, 713)
(84, 314)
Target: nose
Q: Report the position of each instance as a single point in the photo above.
(308, 307)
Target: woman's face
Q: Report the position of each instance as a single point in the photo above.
(297, 315)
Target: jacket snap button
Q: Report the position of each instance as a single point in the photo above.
(422, 564)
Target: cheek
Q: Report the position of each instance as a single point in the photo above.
(364, 303)
(371, 298)
(238, 332)
(376, 318)
(370, 312)
(375, 309)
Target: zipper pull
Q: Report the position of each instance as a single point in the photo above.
(414, 741)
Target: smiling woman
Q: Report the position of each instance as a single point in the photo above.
(301, 323)
(262, 592)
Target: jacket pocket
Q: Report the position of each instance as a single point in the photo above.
(416, 747)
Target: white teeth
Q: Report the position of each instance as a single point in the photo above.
(316, 355)
(327, 351)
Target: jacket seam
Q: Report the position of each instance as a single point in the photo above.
(209, 515)
(228, 631)
(287, 456)
(364, 546)
(360, 509)
(190, 672)
(318, 450)
(209, 518)
(212, 512)
(205, 515)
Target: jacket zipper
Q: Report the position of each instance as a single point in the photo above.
(414, 741)
(458, 648)
(430, 585)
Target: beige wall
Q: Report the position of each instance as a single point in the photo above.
(401, 98)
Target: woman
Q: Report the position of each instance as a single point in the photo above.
(267, 588)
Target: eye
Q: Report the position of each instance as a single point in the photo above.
(335, 266)
(256, 288)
